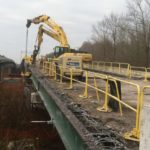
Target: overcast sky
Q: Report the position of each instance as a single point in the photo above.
(75, 16)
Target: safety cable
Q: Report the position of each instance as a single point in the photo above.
(36, 40)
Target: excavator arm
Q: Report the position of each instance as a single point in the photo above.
(58, 30)
(49, 33)
(42, 31)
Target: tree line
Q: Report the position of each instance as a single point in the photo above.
(123, 37)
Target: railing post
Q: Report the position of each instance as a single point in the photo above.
(111, 66)
(145, 75)
(95, 84)
(118, 95)
(49, 69)
(138, 114)
(71, 78)
(135, 133)
(51, 66)
(55, 72)
(130, 72)
(104, 108)
(85, 95)
(61, 74)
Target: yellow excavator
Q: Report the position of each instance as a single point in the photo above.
(56, 32)
(63, 55)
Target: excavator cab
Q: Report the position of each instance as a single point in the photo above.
(58, 50)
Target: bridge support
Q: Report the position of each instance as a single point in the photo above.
(69, 128)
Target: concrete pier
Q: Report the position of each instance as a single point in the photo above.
(145, 129)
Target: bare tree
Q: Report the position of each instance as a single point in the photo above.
(124, 37)
(112, 25)
(137, 11)
(100, 34)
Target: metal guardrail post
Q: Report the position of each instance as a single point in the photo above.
(71, 78)
(135, 133)
(49, 70)
(95, 84)
(61, 74)
(145, 75)
(118, 94)
(104, 108)
(111, 66)
(85, 95)
(55, 72)
(128, 70)
(106, 97)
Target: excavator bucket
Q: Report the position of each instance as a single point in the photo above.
(28, 23)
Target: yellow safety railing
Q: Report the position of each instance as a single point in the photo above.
(48, 68)
(135, 133)
(138, 71)
(120, 68)
(116, 67)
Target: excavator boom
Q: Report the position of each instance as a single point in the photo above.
(52, 25)
(49, 33)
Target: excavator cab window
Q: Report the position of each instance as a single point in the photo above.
(60, 50)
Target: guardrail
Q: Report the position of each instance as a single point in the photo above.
(51, 69)
(116, 67)
(120, 68)
(139, 72)
(135, 133)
